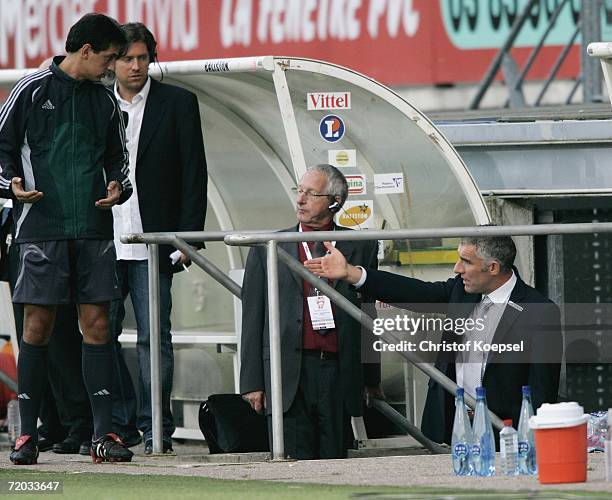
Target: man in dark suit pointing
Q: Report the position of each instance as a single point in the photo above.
(485, 275)
(164, 140)
(321, 349)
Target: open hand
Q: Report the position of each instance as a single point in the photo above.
(331, 266)
(21, 194)
(113, 193)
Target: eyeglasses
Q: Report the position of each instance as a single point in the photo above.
(308, 193)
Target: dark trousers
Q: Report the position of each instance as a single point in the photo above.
(65, 406)
(315, 424)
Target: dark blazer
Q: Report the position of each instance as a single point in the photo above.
(171, 173)
(255, 339)
(535, 319)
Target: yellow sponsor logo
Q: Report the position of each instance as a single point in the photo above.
(355, 216)
(342, 158)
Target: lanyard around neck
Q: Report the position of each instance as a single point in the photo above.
(307, 248)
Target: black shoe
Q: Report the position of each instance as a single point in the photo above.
(25, 451)
(68, 446)
(130, 440)
(109, 448)
(45, 444)
(166, 446)
(84, 448)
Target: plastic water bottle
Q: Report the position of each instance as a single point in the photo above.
(13, 421)
(526, 441)
(508, 448)
(462, 438)
(483, 448)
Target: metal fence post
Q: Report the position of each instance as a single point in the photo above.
(155, 347)
(278, 442)
(497, 61)
(590, 16)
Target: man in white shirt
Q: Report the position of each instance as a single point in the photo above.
(470, 366)
(485, 274)
(168, 172)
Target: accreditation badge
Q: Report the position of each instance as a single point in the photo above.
(321, 314)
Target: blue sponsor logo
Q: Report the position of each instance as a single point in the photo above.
(523, 448)
(331, 128)
(460, 450)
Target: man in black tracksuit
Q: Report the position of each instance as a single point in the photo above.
(64, 162)
(65, 414)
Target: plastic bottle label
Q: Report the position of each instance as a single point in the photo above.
(476, 450)
(523, 447)
(502, 448)
(460, 450)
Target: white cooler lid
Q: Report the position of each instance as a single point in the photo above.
(558, 415)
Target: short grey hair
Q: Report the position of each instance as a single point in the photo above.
(494, 248)
(336, 182)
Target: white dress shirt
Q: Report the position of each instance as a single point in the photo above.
(469, 375)
(127, 216)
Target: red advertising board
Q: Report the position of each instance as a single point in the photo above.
(398, 42)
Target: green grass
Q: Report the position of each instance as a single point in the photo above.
(92, 486)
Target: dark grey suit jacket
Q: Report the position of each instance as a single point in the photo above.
(538, 324)
(255, 340)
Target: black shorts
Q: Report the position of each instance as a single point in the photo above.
(65, 272)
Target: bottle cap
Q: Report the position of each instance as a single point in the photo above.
(526, 390)
(481, 392)
(460, 392)
(508, 422)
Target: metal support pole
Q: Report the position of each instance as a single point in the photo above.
(241, 239)
(211, 269)
(590, 20)
(155, 347)
(289, 122)
(398, 419)
(278, 442)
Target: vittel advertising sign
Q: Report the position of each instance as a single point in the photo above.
(325, 101)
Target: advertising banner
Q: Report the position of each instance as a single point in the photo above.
(398, 42)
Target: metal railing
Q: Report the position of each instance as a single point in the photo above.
(590, 76)
(179, 241)
(271, 240)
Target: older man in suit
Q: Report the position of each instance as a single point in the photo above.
(321, 349)
(168, 165)
(485, 275)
